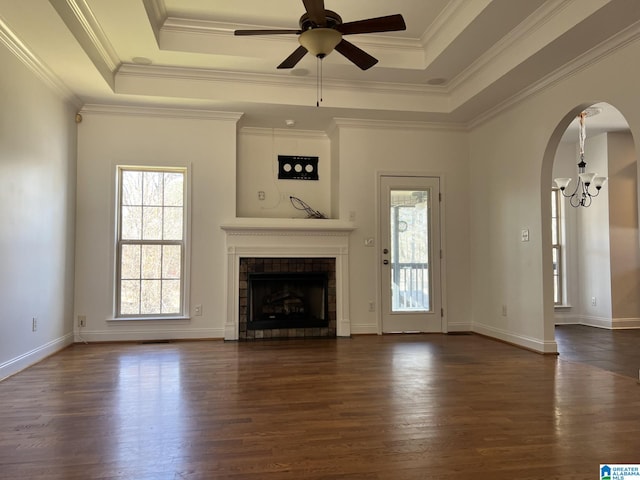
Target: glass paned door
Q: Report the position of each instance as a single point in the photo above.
(410, 254)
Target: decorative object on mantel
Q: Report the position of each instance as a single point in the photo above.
(582, 196)
(300, 205)
(294, 167)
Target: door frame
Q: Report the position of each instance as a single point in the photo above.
(443, 270)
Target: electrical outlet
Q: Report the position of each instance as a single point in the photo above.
(372, 306)
(34, 324)
(504, 310)
(82, 321)
(261, 195)
(594, 302)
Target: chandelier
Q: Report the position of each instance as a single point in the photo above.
(582, 194)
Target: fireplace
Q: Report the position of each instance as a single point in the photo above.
(287, 297)
(287, 246)
(287, 300)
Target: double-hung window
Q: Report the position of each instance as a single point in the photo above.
(556, 247)
(150, 250)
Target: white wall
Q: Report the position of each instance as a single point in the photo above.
(594, 248)
(511, 167)
(368, 148)
(258, 151)
(623, 230)
(206, 142)
(37, 193)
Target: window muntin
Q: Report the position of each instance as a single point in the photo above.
(150, 242)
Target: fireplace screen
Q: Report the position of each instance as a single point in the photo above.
(287, 300)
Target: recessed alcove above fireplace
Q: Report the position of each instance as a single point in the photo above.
(295, 246)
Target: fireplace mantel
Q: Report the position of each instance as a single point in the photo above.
(284, 237)
(283, 226)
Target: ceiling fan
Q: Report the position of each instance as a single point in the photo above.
(321, 32)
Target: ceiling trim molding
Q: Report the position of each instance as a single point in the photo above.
(622, 39)
(192, 26)
(175, 30)
(83, 25)
(274, 80)
(157, 15)
(439, 36)
(510, 41)
(396, 124)
(206, 85)
(163, 112)
(22, 52)
(268, 132)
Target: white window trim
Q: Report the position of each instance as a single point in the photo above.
(562, 243)
(114, 219)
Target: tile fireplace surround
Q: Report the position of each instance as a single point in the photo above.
(286, 238)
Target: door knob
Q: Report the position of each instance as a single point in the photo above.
(385, 251)
(385, 262)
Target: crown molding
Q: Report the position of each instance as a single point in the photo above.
(622, 39)
(273, 80)
(22, 52)
(82, 23)
(163, 112)
(455, 8)
(157, 15)
(176, 32)
(534, 22)
(283, 132)
(395, 125)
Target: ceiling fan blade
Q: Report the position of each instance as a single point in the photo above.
(358, 56)
(390, 23)
(315, 10)
(265, 32)
(294, 58)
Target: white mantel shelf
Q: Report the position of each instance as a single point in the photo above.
(287, 237)
(286, 224)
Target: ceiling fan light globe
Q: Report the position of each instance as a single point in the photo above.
(320, 42)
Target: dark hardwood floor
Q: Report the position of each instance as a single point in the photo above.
(617, 351)
(390, 407)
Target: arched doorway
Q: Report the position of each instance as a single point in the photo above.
(595, 256)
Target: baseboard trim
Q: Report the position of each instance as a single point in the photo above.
(101, 336)
(21, 362)
(610, 323)
(459, 327)
(529, 343)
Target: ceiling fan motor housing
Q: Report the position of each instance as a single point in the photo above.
(332, 21)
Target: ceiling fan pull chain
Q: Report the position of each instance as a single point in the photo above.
(318, 75)
(321, 80)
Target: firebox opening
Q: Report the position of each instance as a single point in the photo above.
(287, 300)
